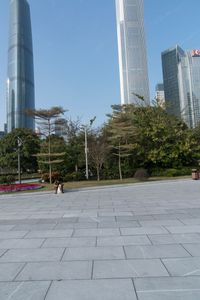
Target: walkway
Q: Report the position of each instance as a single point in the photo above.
(134, 242)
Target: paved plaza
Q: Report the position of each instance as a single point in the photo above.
(131, 242)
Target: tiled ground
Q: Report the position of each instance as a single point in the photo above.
(133, 242)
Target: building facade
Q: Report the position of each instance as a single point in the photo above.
(133, 69)
(160, 95)
(181, 77)
(20, 82)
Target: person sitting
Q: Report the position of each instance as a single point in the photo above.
(56, 184)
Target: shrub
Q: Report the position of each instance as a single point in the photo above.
(141, 174)
(172, 172)
(54, 176)
(10, 179)
(74, 176)
(7, 179)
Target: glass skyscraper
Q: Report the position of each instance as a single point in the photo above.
(181, 76)
(20, 82)
(133, 69)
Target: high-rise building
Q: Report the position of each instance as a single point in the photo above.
(181, 77)
(133, 69)
(20, 82)
(160, 95)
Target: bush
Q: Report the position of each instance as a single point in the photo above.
(172, 172)
(3, 179)
(54, 176)
(141, 174)
(74, 176)
(7, 179)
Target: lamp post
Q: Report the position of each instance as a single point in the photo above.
(86, 148)
(86, 154)
(19, 144)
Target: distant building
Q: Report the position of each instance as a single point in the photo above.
(160, 95)
(2, 134)
(60, 127)
(5, 128)
(133, 70)
(20, 82)
(181, 77)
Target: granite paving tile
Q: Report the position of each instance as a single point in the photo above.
(6, 227)
(32, 255)
(49, 233)
(183, 266)
(155, 251)
(161, 223)
(97, 232)
(8, 271)
(143, 230)
(123, 240)
(128, 224)
(56, 271)
(20, 243)
(34, 227)
(117, 289)
(129, 268)
(184, 229)
(94, 253)
(175, 238)
(193, 249)
(12, 234)
(169, 288)
(69, 242)
(82, 225)
(24, 290)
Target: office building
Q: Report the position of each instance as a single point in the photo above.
(181, 77)
(160, 95)
(20, 82)
(133, 69)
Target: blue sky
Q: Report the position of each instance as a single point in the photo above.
(75, 50)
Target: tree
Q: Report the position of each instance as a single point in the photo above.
(30, 145)
(46, 120)
(98, 149)
(121, 131)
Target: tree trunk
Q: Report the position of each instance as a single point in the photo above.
(50, 171)
(119, 161)
(98, 175)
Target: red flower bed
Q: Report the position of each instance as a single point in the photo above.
(19, 187)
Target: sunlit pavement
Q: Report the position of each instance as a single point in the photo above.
(129, 242)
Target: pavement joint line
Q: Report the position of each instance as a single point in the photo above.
(92, 270)
(134, 288)
(161, 260)
(64, 251)
(186, 249)
(149, 239)
(24, 264)
(48, 289)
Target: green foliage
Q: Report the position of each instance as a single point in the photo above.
(9, 179)
(54, 176)
(74, 176)
(9, 150)
(183, 171)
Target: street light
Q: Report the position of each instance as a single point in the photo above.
(86, 148)
(19, 144)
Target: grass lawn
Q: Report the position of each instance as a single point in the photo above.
(94, 183)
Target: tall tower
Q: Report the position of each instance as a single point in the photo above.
(132, 52)
(20, 82)
(181, 76)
